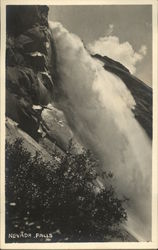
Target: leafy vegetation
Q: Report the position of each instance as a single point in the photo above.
(62, 200)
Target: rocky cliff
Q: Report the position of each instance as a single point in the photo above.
(30, 77)
(29, 56)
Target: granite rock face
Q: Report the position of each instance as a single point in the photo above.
(17, 16)
(30, 77)
(29, 58)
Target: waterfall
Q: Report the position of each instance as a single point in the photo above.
(98, 107)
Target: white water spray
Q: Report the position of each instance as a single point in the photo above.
(97, 105)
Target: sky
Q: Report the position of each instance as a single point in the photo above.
(122, 32)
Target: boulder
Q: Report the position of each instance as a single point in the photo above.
(58, 131)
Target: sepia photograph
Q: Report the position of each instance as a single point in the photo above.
(79, 91)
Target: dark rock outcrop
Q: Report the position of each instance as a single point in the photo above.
(141, 92)
(17, 16)
(29, 58)
(30, 78)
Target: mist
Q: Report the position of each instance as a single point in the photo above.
(98, 107)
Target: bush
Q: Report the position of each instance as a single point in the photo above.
(64, 199)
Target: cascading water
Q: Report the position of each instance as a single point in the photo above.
(98, 105)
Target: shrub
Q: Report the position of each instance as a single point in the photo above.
(64, 199)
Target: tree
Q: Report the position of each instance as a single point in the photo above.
(64, 199)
